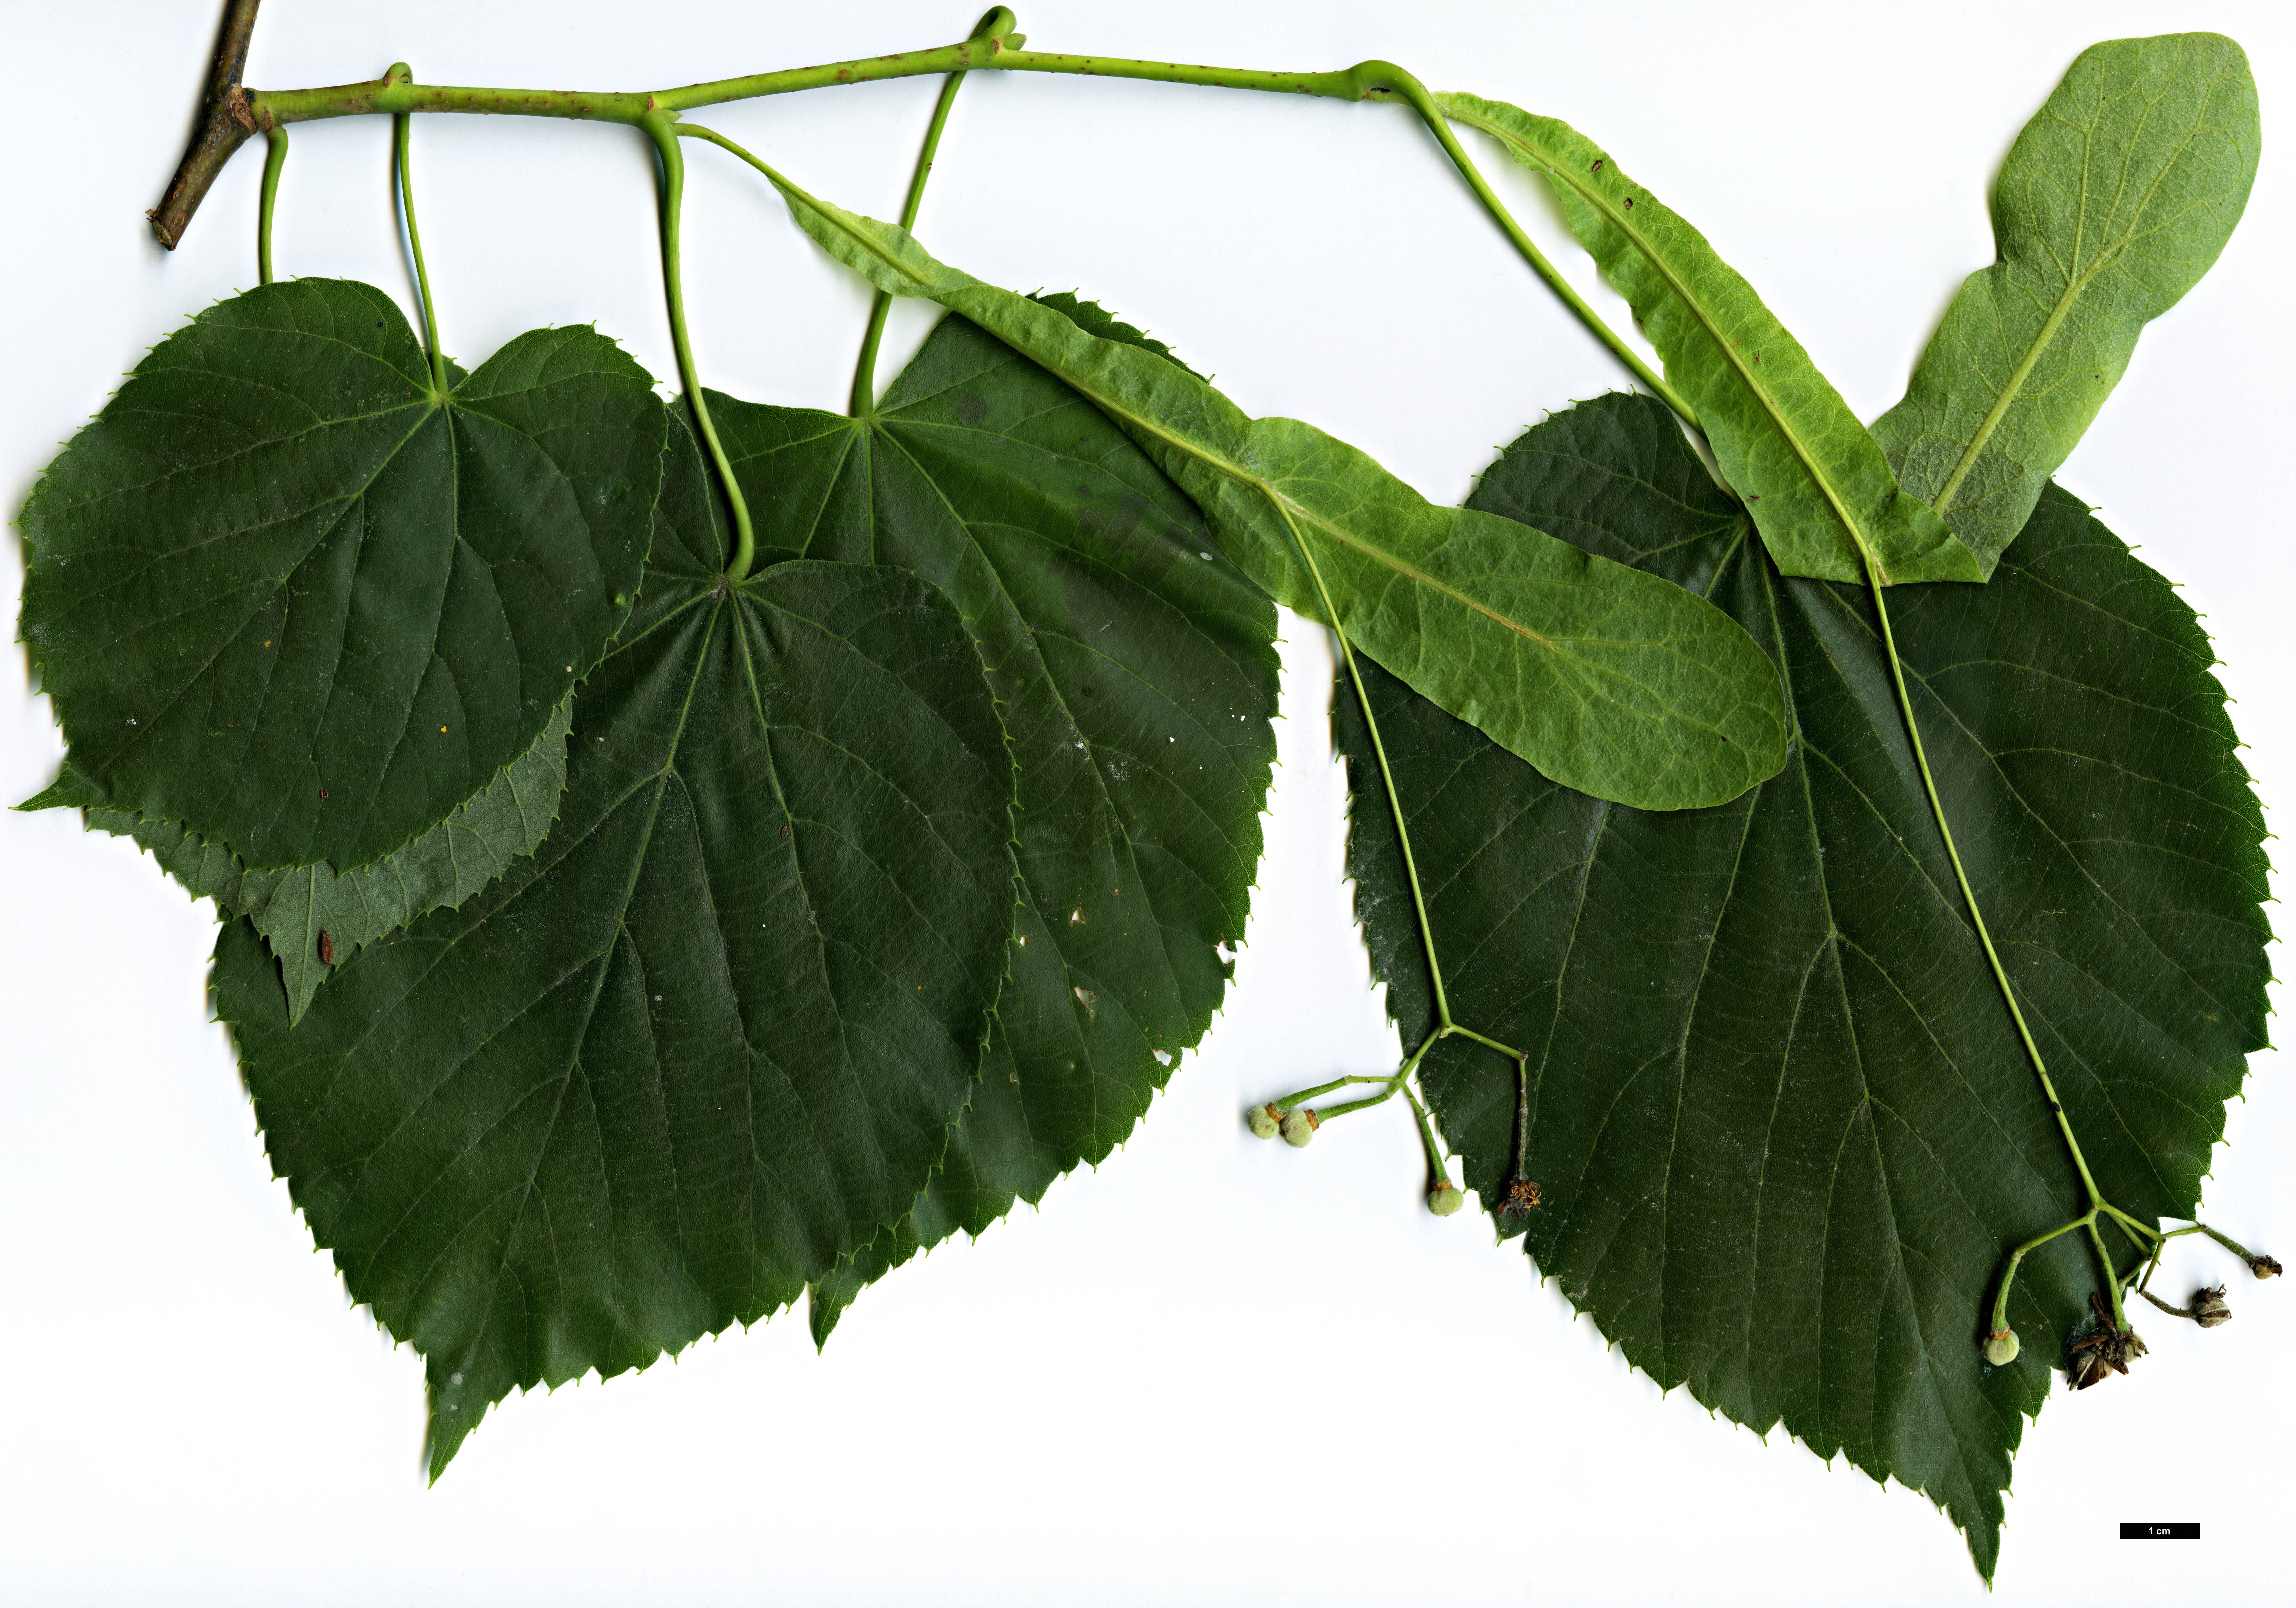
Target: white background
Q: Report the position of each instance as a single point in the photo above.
(1214, 1371)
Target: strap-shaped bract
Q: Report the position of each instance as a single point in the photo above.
(1819, 488)
(718, 851)
(2114, 200)
(1631, 687)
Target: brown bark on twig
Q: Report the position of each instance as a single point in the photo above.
(223, 125)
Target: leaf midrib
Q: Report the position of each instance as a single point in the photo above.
(1618, 220)
(661, 780)
(1204, 455)
(1837, 942)
(657, 778)
(1292, 508)
(885, 426)
(2077, 285)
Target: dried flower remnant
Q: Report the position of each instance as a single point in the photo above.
(2103, 1349)
(1748, 410)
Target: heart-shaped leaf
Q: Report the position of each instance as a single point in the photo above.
(283, 592)
(1782, 1120)
(1135, 670)
(709, 1038)
(2114, 200)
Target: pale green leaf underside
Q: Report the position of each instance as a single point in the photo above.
(1624, 682)
(2114, 200)
(292, 906)
(1821, 492)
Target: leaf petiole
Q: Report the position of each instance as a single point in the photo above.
(402, 171)
(984, 48)
(275, 161)
(661, 127)
(994, 23)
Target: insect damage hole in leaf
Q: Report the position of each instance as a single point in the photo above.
(1526, 387)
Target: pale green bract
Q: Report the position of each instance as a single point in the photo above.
(2114, 200)
(1635, 689)
(1821, 492)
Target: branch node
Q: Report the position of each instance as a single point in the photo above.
(225, 122)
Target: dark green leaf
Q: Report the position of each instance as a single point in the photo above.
(1136, 673)
(1820, 490)
(284, 593)
(2114, 200)
(1626, 685)
(711, 1036)
(301, 909)
(1782, 1121)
